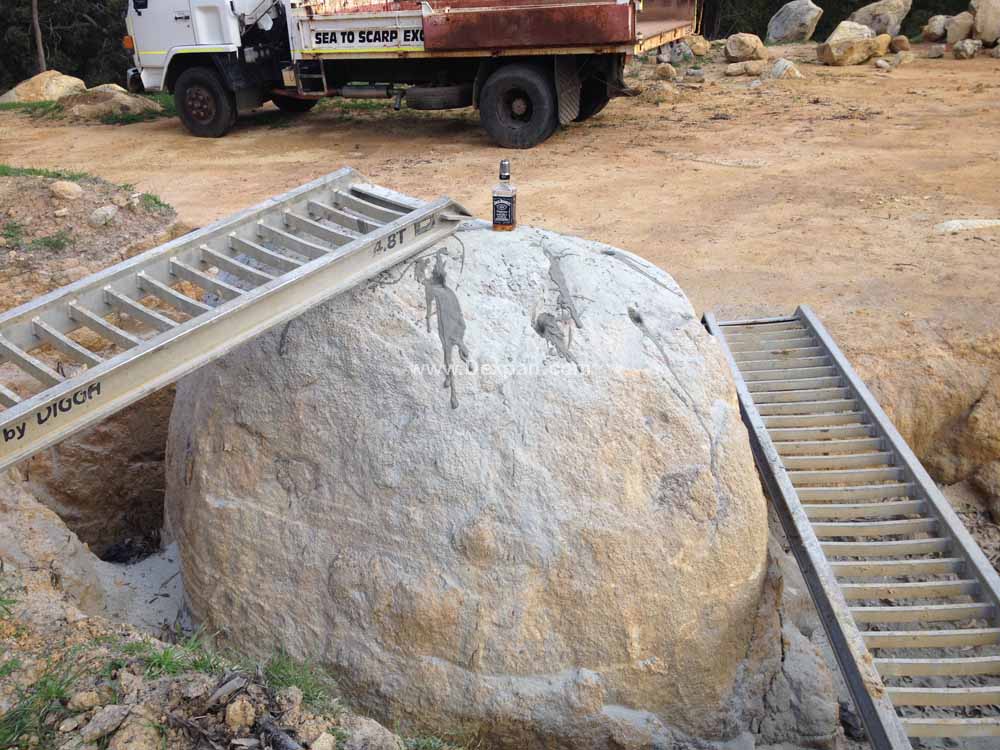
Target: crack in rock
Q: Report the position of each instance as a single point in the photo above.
(547, 326)
(565, 299)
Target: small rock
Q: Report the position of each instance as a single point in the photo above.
(105, 721)
(882, 64)
(324, 742)
(289, 700)
(785, 68)
(935, 29)
(743, 47)
(240, 715)
(367, 734)
(680, 52)
(959, 27)
(3, 242)
(699, 45)
(995, 52)
(120, 200)
(312, 728)
(65, 190)
(665, 72)
(899, 44)
(61, 213)
(966, 49)
(954, 226)
(196, 685)
(756, 83)
(68, 725)
(903, 58)
(694, 74)
(102, 216)
(936, 51)
(138, 732)
(83, 701)
(882, 44)
(748, 68)
(130, 685)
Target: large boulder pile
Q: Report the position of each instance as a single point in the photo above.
(503, 489)
(981, 23)
(794, 22)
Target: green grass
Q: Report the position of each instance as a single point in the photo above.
(165, 100)
(353, 104)
(318, 688)
(13, 232)
(436, 743)
(8, 667)
(35, 109)
(54, 242)
(39, 707)
(56, 174)
(191, 654)
(155, 204)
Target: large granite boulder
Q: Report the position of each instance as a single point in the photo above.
(959, 27)
(503, 488)
(794, 22)
(883, 17)
(848, 31)
(987, 24)
(44, 87)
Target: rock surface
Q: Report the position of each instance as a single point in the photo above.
(935, 30)
(699, 45)
(97, 103)
(794, 22)
(899, 44)
(558, 541)
(987, 23)
(784, 68)
(849, 31)
(45, 87)
(748, 68)
(883, 17)
(743, 47)
(959, 27)
(65, 190)
(850, 52)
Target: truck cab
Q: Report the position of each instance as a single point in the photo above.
(529, 66)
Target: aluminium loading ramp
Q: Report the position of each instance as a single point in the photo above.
(172, 309)
(890, 566)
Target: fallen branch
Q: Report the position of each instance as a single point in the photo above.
(278, 739)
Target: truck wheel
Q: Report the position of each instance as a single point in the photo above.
(439, 97)
(518, 106)
(593, 98)
(293, 106)
(205, 106)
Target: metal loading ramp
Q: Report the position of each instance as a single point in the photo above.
(166, 312)
(909, 602)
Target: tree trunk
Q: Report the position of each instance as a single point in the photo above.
(37, 26)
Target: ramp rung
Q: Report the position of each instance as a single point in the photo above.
(100, 326)
(958, 638)
(363, 207)
(861, 492)
(795, 384)
(261, 254)
(972, 665)
(848, 476)
(778, 354)
(784, 324)
(8, 397)
(838, 432)
(829, 447)
(787, 397)
(814, 420)
(985, 727)
(779, 345)
(346, 219)
(808, 407)
(920, 590)
(303, 224)
(964, 696)
(251, 275)
(893, 568)
(923, 613)
(777, 336)
(887, 549)
(876, 528)
(31, 365)
(135, 310)
(846, 511)
(284, 239)
(67, 346)
(171, 296)
(206, 282)
(837, 461)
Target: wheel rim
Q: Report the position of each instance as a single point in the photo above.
(516, 107)
(200, 104)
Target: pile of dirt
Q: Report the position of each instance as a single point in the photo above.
(107, 482)
(95, 104)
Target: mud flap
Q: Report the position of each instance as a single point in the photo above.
(567, 77)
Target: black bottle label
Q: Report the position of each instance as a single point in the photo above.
(503, 210)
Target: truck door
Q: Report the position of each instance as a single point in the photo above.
(157, 26)
(215, 22)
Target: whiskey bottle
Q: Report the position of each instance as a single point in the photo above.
(504, 201)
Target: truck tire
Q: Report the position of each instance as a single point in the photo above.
(206, 107)
(593, 98)
(439, 97)
(518, 106)
(291, 105)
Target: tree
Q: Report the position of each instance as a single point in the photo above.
(37, 26)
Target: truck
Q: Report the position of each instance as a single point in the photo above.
(528, 66)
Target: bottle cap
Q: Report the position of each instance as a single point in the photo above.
(504, 169)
